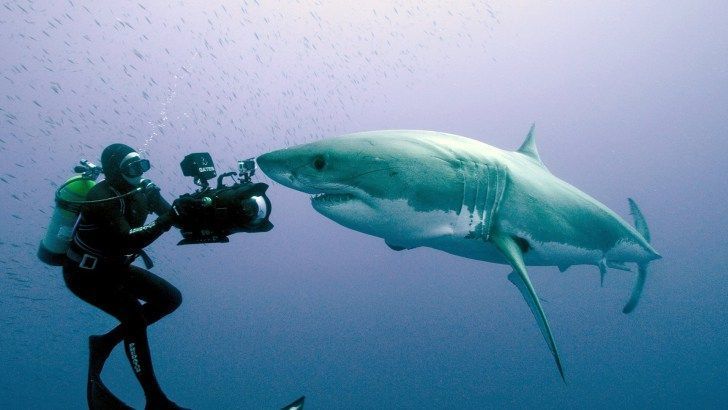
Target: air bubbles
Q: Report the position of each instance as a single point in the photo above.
(157, 127)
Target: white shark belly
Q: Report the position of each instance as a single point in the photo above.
(451, 232)
(537, 254)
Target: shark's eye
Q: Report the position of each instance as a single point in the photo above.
(319, 163)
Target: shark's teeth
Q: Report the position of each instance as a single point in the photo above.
(331, 199)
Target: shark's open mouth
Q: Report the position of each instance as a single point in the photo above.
(331, 199)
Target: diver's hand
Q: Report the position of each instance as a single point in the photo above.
(148, 186)
(183, 208)
(155, 202)
(167, 220)
(152, 192)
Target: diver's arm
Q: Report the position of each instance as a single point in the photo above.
(119, 230)
(137, 238)
(155, 201)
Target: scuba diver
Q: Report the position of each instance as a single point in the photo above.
(110, 234)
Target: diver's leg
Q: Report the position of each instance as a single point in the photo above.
(120, 299)
(161, 298)
(137, 350)
(124, 305)
(99, 290)
(136, 346)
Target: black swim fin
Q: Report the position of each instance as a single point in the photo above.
(101, 398)
(296, 405)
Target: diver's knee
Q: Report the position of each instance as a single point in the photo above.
(134, 317)
(175, 300)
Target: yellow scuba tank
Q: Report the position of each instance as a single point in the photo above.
(69, 198)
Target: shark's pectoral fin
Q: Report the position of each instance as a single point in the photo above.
(515, 279)
(519, 277)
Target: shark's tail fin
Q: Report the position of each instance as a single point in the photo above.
(639, 220)
(641, 225)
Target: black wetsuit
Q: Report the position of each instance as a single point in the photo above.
(109, 236)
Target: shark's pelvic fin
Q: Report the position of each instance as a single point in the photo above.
(394, 247)
(641, 225)
(519, 277)
(602, 271)
(528, 147)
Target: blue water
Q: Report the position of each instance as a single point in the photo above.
(628, 100)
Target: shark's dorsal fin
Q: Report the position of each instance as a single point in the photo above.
(528, 148)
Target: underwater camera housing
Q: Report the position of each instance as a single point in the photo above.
(209, 215)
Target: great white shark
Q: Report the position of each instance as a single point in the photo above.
(462, 196)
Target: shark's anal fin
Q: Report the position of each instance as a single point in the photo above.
(519, 277)
(619, 266)
(604, 264)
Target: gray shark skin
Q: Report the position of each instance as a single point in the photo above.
(462, 196)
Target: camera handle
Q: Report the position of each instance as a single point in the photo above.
(219, 179)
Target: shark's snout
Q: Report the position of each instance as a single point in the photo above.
(289, 167)
(275, 164)
(268, 162)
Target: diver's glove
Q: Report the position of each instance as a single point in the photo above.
(183, 208)
(154, 198)
(185, 205)
(152, 192)
(166, 220)
(148, 186)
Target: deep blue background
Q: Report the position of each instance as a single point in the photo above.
(629, 100)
